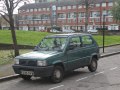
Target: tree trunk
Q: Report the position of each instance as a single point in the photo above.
(12, 28)
(86, 15)
(0, 26)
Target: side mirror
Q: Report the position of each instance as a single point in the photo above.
(36, 48)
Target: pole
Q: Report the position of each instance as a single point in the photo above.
(86, 15)
(103, 33)
(33, 20)
(77, 17)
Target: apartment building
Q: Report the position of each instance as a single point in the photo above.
(69, 14)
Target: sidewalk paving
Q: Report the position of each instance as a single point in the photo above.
(7, 70)
(109, 50)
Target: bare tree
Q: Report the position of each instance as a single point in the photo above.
(88, 4)
(7, 13)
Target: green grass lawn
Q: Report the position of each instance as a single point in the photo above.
(33, 38)
(23, 37)
(109, 40)
(7, 56)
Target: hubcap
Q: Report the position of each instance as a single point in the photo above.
(57, 74)
(93, 64)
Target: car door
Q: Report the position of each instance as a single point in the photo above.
(87, 49)
(74, 54)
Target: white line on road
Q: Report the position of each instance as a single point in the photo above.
(81, 79)
(56, 87)
(113, 68)
(99, 73)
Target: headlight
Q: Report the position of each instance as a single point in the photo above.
(16, 61)
(41, 63)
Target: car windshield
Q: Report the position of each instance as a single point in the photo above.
(52, 44)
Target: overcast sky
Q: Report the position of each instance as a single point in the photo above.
(16, 10)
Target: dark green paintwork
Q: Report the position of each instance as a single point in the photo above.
(71, 59)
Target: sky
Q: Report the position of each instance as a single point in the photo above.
(16, 10)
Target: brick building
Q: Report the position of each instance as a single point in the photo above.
(69, 14)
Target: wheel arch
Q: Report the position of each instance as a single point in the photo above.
(59, 64)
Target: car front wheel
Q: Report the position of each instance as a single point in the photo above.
(93, 65)
(57, 75)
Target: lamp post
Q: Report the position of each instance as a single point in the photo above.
(103, 33)
(33, 19)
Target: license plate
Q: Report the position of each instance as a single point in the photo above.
(31, 73)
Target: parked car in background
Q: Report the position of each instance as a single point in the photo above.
(68, 31)
(92, 31)
(57, 54)
(54, 30)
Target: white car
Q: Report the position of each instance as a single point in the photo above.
(92, 31)
(68, 31)
(54, 30)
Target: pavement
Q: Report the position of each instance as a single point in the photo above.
(107, 77)
(108, 52)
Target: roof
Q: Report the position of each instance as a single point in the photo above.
(62, 3)
(67, 35)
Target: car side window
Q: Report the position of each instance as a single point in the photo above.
(75, 41)
(86, 41)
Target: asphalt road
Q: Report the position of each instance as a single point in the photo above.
(107, 77)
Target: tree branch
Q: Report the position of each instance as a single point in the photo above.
(5, 18)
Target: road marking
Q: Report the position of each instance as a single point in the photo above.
(113, 68)
(56, 87)
(81, 79)
(99, 73)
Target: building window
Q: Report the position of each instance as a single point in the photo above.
(97, 5)
(44, 9)
(27, 10)
(84, 6)
(48, 9)
(35, 10)
(103, 4)
(59, 8)
(64, 8)
(61, 15)
(94, 14)
(69, 21)
(39, 9)
(104, 12)
(31, 10)
(82, 14)
(74, 7)
(70, 15)
(74, 20)
(69, 7)
(110, 19)
(80, 6)
(97, 19)
(80, 20)
(110, 4)
(109, 13)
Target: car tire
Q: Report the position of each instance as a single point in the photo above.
(57, 75)
(25, 77)
(93, 65)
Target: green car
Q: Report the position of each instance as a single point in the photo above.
(57, 54)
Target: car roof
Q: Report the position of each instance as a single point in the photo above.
(68, 35)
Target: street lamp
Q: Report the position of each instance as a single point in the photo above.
(104, 32)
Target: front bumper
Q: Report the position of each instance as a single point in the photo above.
(38, 71)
